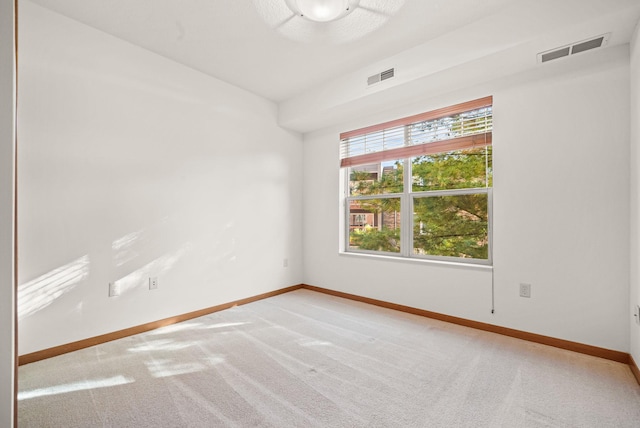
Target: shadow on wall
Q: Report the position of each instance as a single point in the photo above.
(127, 256)
(211, 239)
(156, 267)
(42, 291)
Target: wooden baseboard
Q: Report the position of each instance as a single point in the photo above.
(634, 368)
(92, 341)
(621, 357)
(595, 351)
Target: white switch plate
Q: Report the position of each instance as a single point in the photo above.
(114, 289)
(153, 283)
(525, 290)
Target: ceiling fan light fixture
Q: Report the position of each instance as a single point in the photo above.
(321, 10)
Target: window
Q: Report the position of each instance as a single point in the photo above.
(421, 186)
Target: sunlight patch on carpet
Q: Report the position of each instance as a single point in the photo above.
(76, 386)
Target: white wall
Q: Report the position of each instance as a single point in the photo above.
(634, 296)
(133, 166)
(7, 171)
(561, 209)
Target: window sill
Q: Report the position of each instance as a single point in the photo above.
(438, 263)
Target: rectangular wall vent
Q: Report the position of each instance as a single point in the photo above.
(388, 74)
(559, 53)
(377, 78)
(574, 48)
(585, 46)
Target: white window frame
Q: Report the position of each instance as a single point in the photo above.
(406, 214)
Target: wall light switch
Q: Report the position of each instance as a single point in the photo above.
(525, 290)
(114, 289)
(153, 283)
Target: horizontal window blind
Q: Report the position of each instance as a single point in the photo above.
(457, 127)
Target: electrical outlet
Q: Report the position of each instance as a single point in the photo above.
(153, 283)
(525, 290)
(114, 289)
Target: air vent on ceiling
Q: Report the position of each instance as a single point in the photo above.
(574, 48)
(377, 78)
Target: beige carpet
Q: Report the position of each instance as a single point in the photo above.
(304, 359)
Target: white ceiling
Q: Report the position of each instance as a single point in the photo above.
(261, 46)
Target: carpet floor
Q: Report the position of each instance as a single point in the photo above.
(305, 359)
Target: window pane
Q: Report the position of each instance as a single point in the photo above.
(374, 224)
(376, 179)
(459, 169)
(453, 226)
